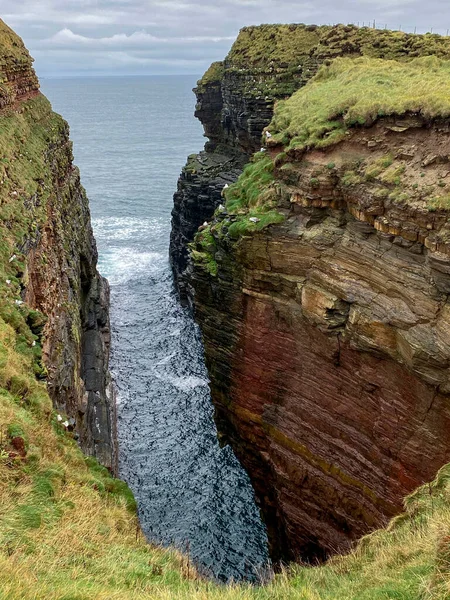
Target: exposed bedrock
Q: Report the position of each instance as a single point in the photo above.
(235, 100)
(64, 284)
(45, 212)
(327, 337)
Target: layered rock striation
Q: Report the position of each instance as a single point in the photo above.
(48, 254)
(321, 289)
(236, 98)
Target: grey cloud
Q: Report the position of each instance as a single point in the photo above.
(67, 38)
(157, 36)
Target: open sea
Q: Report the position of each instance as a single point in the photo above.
(131, 137)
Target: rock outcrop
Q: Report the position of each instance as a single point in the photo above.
(326, 334)
(235, 102)
(236, 98)
(49, 254)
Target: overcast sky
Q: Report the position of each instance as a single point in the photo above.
(73, 37)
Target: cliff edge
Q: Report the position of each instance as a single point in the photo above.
(236, 99)
(50, 290)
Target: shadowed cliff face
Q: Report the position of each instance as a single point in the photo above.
(50, 254)
(235, 102)
(327, 337)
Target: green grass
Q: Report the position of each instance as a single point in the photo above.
(439, 203)
(12, 49)
(250, 205)
(278, 59)
(244, 226)
(353, 92)
(375, 43)
(213, 76)
(258, 46)
(248, 191)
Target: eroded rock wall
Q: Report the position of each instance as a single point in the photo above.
(327, 337)
(50, 253)
(235, 101)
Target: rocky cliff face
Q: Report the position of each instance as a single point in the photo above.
(327, 344)
(326, 335)
(49, 255)
(235, 102)
(236, 98)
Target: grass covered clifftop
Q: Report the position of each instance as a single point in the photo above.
(289, 55)
(12, 48)
(17, 78)
(353, 92)
(260, 45)
(267, 45)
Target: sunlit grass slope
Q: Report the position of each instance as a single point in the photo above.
(356, 92)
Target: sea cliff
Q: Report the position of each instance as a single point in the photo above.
(51, 292)
(320, 286)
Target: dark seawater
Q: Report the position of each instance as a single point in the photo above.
(131, 137)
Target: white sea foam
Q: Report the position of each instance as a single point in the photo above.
(120, 265)
(185, 384)
(121, 398)
(125, 228)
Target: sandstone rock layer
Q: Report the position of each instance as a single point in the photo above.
(327, 338)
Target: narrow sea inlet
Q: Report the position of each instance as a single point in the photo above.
(131, 137)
